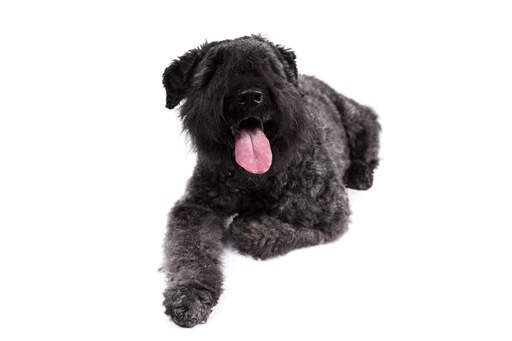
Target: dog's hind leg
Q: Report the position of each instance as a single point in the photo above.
(362, 131)
(193, 247)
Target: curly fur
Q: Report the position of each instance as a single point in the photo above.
(321, 142)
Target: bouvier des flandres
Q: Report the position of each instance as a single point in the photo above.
(275, 151)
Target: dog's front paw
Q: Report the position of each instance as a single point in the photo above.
(187, 305)
(359, 175)
(251, 237)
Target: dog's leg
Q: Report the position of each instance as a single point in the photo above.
(266, 236)
(362, 129)
(362, 133)
(193, 247)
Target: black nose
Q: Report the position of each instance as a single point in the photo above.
(250, 97)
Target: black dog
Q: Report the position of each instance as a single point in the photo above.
(275, 151)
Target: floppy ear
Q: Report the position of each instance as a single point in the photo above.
(288, 60)
(177, 76)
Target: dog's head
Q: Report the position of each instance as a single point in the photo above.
(242, 102)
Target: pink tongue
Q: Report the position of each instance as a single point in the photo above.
(252, 151)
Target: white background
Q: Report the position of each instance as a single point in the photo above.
(91, 163)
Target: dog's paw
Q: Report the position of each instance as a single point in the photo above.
(187, 305)
(253, 238)
(359, 175)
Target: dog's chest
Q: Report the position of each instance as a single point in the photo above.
(285, 191)
(248, 195)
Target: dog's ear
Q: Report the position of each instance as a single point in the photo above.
(177, 77)
(290, 66)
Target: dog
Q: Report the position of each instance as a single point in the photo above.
(275, 152)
